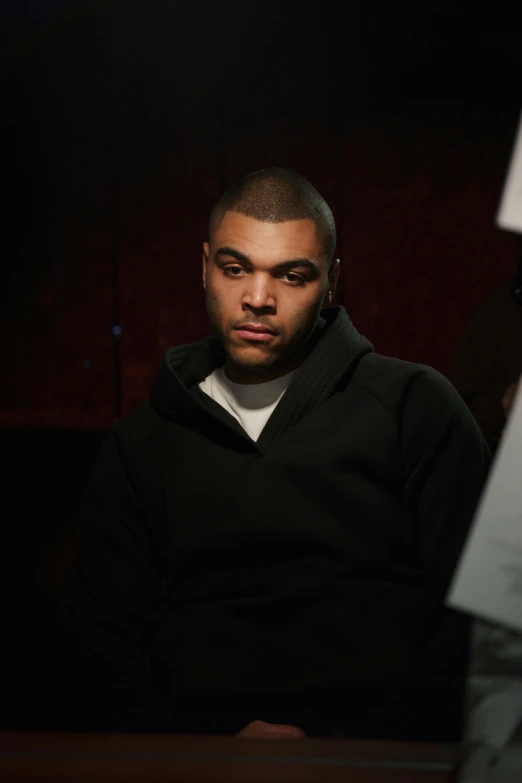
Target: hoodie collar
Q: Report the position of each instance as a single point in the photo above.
(335, 350)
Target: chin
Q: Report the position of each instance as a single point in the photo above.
(252, 363)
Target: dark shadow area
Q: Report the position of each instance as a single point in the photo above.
(45, 473)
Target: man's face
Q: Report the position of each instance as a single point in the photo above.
(265, 284)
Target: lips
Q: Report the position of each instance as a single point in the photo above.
(256, 329)
(256, 333)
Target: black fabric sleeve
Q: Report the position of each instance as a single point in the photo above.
(109, 609)
(446, 460)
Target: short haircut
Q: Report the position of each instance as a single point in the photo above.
(275, 195)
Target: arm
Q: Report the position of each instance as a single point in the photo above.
(110, 606)
(446, 462)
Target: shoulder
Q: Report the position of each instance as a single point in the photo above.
(124, 450)
(430, 416)
(423, 403)
(131, 433)
(395, 382)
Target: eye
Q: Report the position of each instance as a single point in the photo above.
(294, 279)
(233, 271)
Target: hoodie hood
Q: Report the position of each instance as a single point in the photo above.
(336, 347)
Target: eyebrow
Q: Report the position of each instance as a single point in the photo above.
(290, 264)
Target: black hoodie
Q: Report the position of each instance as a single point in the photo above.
(302, 573)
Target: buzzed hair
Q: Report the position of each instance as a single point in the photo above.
(275, 195)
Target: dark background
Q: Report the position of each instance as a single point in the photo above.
(122, 122)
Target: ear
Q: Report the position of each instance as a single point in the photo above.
(333, 278)
(206, 253)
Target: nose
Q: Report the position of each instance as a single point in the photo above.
(258, 294)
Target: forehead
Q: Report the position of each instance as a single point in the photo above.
(268, 241)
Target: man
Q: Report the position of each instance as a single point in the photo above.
(266, 545)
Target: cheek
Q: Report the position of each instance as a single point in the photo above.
(216, 304)
(306, 307)
(227, 294)
(304, 317)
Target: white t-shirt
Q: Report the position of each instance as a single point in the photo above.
(251, 404)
